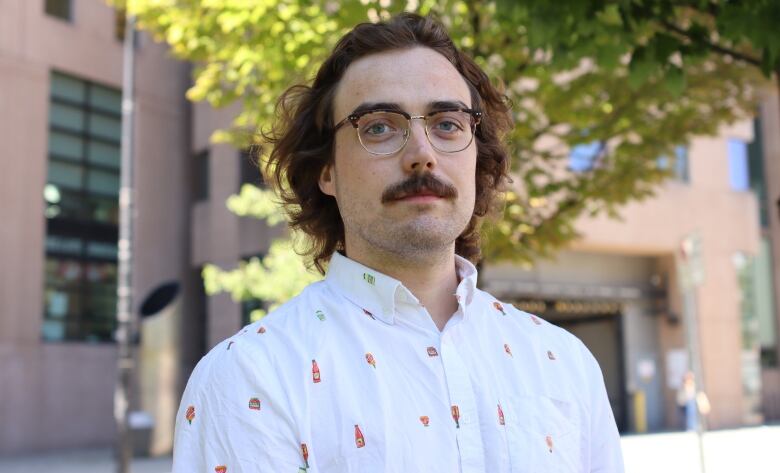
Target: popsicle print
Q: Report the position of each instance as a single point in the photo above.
(499, 308)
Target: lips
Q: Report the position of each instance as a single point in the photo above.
(419, 195)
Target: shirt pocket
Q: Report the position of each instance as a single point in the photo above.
(358, 462)
(543, 435)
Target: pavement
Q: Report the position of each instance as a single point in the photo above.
(745, 450)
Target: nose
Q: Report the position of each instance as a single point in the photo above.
(418, 154)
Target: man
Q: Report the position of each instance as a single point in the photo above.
(396, 362)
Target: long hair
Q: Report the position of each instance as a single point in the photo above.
(303, 136)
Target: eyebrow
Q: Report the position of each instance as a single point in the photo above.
(431, 107)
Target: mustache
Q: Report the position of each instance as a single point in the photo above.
(416, 184)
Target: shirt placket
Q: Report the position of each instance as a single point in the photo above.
(464, 404)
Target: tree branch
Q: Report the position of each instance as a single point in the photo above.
(669, 26)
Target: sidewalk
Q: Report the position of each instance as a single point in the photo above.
(80, 461)
(753, 450)
(749, 450)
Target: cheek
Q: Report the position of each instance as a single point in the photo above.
(356, 175)
(468, 172)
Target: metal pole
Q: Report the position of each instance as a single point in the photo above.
(125, 322)
(691, 277)
(694, 357)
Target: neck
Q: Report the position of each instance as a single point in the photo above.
(432, 278)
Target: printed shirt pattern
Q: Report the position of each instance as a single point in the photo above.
(352, 375)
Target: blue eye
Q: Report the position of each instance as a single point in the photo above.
(448, 126)
(377, 129)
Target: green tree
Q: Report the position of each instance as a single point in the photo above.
(574, 80)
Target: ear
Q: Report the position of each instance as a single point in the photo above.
(327, 181)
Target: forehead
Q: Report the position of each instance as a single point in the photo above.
(413, 78)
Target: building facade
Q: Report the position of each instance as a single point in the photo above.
(60, 125)
(617, 288)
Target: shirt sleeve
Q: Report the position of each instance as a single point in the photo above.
(234, 417)
(605, 452)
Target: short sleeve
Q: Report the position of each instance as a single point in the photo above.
(234, 417)
(605, 452)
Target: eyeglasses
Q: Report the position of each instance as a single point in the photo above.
(385, 132)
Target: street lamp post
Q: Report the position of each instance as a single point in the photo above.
(691, 274)
(125, 320)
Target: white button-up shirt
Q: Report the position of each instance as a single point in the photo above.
(352, 375)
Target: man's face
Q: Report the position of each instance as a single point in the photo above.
(402, 226)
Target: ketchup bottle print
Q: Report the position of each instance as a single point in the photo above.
(315, 371)
(359, 440)
(305, 453)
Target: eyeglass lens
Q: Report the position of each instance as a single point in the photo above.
(387, 132)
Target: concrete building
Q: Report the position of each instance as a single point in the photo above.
(767, 182)
(617, 288)
(60, 115)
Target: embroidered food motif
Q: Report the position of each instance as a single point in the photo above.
(320, 315)
(550, 355)
(190, 414)
(500, 415)
(432, 351)
(369, 278)
(508, 350)
(549, 443)
(261, 329)
(359, 440)
(220, 469)
(499, 308)
(424, 420)
(305, 453)
(254, 404)
(315, 372)
(370, 359)
(455, 415)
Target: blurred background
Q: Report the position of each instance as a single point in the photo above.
(644, 216)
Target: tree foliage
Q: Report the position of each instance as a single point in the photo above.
(610, 78)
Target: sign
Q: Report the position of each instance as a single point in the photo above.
(690, 267)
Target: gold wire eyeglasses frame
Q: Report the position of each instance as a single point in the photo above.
(354, 119)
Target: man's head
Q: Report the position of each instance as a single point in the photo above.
(416, 177)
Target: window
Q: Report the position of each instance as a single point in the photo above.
(678, 166)
(250, 305)
(201, 178)
(757, 302)
(755, 151)
(59, 8)
(739, 177)
(81, 210)
(250, 170)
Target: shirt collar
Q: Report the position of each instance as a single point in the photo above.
(377, 293)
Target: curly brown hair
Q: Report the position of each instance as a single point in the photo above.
(303, 136)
